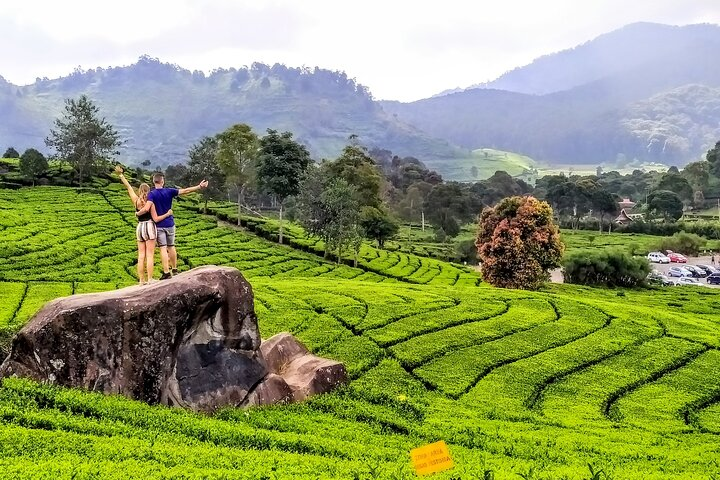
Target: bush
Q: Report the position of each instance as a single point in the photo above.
(682, 242)
(518, 243)
(609, 267)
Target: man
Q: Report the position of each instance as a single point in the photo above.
(162, 198)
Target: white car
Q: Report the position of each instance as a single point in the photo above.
(657, 257)
(690, 281)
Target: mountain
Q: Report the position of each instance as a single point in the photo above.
(605, 56)
(161, 109)
(589, 105)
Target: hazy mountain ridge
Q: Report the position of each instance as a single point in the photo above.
(161, 109)
(592, 122)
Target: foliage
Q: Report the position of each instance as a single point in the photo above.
(328, 209)
(447, 205)
(281, 164)
(608, 267)
(237, 150)
(11, 153)
(713, 158)
(33, 164)
(82, 139)
(676, 183)
(665, 203)
(203, 165)
(377, 225)
(518, 243)
(682, 242)
(359, 170)
(553, 384)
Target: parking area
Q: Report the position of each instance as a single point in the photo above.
(703, 260)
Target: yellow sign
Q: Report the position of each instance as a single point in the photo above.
(431, 458)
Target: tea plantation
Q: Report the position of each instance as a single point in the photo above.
(568, 383)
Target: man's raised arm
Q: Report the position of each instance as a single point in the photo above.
(199, 186)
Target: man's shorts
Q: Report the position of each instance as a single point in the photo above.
(145, 231)
(166, 237)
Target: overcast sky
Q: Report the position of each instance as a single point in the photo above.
(400, 49)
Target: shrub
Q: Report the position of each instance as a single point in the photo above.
(518, 243)
(682, 242)
(609, 267)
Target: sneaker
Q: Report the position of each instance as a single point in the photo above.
(166, 276)
(174, 271)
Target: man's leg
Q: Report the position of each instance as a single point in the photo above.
(164, 259)
(162, 241)
(172, 253)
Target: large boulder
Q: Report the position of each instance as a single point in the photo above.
(192, 341)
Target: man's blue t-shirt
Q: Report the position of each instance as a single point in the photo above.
(162, 198)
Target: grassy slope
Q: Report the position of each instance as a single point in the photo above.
(487, 161)
(518, 383)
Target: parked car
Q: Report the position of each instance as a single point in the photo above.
(697, 272)
(657, 257)
(690, 281)
(677, 257)
(709, 269)
(676, 271)
(657, 278)
(713, 279)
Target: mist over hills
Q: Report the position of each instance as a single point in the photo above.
(633, 93)
(646, 91)
(161, 109)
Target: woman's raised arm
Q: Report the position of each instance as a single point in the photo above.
(131, 191)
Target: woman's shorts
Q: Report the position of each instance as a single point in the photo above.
(146, 231)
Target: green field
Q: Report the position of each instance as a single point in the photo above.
(535, 385)
(487, 161)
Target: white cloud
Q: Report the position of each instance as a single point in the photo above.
(400, 49)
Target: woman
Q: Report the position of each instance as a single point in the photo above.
(145, 232)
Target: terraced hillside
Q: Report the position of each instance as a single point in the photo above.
(519, 384)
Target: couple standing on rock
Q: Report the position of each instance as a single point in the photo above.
(156, 223)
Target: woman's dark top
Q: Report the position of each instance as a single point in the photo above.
(145, 217)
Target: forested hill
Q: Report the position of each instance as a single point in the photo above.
(161, 109)
(645, 91)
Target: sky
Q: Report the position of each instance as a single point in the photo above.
(401, 49)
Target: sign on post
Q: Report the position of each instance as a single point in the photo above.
(431, 458)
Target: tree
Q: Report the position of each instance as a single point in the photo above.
(281, 165)
(327, 208)
(82, 139)
(697, 174)
(665, 203)
(609, 267)
(176, 175)
(11, 153)
(603, 203)
(682, 242)
(237, 154)
(674, 182)
(713, 157)
(359, 170)
(377, 225)
(518, 243)
(203, 164)
(33, 164)
(447, 205)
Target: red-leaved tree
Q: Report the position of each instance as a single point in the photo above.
(518, 243)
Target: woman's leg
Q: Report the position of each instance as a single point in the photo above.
(141, 262)
(150, 258)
